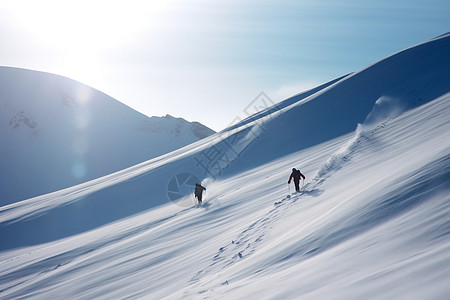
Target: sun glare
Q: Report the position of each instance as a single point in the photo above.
(79, 33)
(71, 25)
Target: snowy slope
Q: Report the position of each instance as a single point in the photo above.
(372, 222)
(409, 78)
(51, 125)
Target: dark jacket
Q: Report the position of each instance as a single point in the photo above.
(296, 176)
(199, 190)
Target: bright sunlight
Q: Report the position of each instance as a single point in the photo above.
(81, 32)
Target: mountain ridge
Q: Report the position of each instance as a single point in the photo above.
(68, 128)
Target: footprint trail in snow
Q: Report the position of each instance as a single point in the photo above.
(247, 242)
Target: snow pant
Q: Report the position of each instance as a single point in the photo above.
(297, 185)
(199, 198)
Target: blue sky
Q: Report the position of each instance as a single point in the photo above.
(206, 60)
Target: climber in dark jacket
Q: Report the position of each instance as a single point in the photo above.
(296, 174)
(198, 192)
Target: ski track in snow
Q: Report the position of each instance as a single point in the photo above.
(243, 246)
(247, 242)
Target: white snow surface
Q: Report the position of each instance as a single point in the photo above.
(51, 125)
(372, 220)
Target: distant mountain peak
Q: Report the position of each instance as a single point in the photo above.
(178, 126)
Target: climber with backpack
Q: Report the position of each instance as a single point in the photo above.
(199, 192)
(296, 175)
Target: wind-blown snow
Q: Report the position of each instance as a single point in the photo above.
(372, 221)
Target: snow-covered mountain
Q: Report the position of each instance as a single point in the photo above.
(57, 132)
(372, 221)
